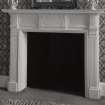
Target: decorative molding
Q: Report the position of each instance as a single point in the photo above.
(54, 11)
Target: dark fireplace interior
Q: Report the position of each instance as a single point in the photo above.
(56, 62)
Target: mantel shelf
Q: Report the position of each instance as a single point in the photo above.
(53, 11)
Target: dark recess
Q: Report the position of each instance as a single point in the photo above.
(56, 62)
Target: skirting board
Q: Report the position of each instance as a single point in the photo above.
(102, 89)
(4, 81)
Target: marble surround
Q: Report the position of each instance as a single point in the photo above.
(5, 37)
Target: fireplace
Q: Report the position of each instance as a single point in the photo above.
(85, 22)
(56, 62)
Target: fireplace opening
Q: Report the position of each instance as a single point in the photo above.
(56, 62)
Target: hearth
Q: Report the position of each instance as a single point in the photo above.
(56, 62)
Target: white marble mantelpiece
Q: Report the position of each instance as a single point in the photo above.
(66, 21)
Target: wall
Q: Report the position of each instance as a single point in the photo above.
(5, 37)
(4, 40)
(102, 42)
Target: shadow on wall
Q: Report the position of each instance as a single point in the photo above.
(5, 37)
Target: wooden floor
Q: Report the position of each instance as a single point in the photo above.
(39, 97)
